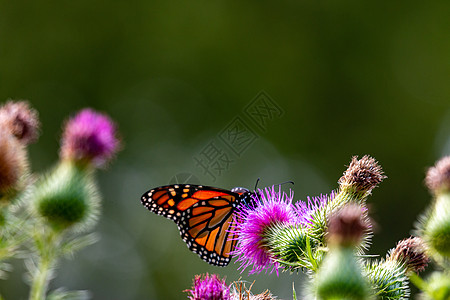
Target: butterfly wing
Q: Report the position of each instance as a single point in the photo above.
(203, 215)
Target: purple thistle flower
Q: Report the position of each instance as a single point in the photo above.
(253, 223)
(89, 136)
(209, 287)
(305, 210)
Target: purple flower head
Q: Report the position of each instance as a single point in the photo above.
(209, 287)
(253, 222)
(89, 136)
(305, 210)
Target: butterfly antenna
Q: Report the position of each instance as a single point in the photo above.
(290, 181)
(256, 184)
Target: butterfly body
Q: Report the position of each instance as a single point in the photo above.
(204, 216)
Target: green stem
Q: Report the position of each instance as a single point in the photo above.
(418, 282)
(47, 246)
(40, 280)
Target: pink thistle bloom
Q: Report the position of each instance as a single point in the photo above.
(254, 222)
(209, 287)
(91, 137)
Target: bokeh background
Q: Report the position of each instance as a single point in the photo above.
(348, 77)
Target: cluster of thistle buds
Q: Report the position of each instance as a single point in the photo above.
(50, 215)
(328, 238)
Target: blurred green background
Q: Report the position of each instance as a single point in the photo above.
(351, 77)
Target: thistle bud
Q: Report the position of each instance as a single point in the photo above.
(66, 198)
(411, 253)
(438, 177)
(354, 186)
(21, 120)
(340, 275)
(388, 279)
(13, 167)
(435, 227)
(347, 226)
(361, 176)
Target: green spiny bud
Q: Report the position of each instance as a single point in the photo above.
(340, 276)
(292, 247)
(436, 231)
(388, 279)
(411, 253)
(361, 177)
(434, 224)
(67, 197)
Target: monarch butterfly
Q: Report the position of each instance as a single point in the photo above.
(204, 216)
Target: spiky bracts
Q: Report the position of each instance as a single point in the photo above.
(67, 198)
(411, 253)
(389, 277)
(361, 177)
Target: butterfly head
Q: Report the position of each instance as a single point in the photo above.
(245, 196)
(240, 190)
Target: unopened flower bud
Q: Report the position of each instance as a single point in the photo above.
(438, 176)
(361, 176)
(388, 279)
(435, 224)
(21, 120)
(340, 277)
(13, 167)
(411, 253)
(347, 225)
(67, 197)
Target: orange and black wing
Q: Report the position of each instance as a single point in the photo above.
(203, 215)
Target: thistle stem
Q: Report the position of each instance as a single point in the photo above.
(40, 280)
(47, 246)
(418, 282)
